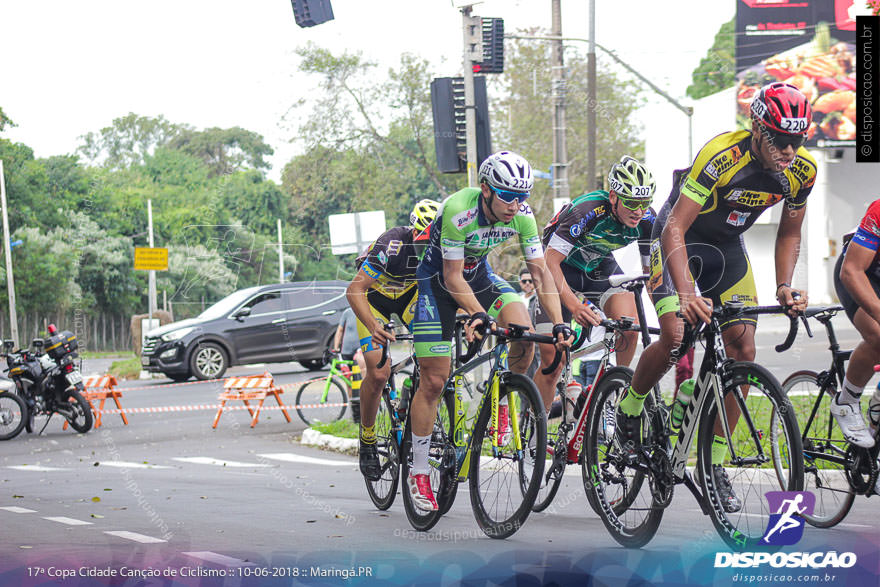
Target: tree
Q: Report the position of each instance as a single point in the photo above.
(127, 141)
(44, 269)
(5, 120)
(224, 150)
(717, 70)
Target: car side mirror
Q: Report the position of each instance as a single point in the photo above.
(241, 313)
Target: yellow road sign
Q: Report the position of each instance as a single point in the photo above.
(151, 259)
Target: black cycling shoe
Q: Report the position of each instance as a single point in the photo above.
(629, 431)
(368, 461)
(729, 501)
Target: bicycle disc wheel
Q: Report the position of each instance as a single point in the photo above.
(504, 481)
(764, 407)
(383, 490)
(13, 413)
(824, 450)
(616, 487)
(442, 465)
(78, 412)
(311, 405)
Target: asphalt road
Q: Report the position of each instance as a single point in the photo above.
(169, 495)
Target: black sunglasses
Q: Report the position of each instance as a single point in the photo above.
(783, 140)
(525, 281)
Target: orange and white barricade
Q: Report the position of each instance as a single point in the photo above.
(102, 387)
(250, 388)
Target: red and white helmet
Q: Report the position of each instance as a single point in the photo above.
(782, 108)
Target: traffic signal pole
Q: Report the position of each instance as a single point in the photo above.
(472, 36)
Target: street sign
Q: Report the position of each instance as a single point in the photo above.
(351, 233)
(151, 259)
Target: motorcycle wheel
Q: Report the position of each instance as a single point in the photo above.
(78, 414)
(13, 414)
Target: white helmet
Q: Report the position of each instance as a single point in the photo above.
(507, 171)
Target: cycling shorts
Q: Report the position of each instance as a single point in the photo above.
(593, 285)
(722, 272)
(382, 308)
(846, 300)
(435, 311)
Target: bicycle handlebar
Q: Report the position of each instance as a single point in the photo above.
(512, 332)
(390, 327)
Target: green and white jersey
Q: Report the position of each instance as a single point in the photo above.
(462, 231)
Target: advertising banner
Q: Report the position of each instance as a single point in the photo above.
(809, 44)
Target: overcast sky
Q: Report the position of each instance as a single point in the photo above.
(72, 67)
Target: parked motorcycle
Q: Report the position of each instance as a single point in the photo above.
(49, 381)
(12, 411)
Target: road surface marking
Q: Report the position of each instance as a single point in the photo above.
(68, 521)
(293, 458)
(35, 468)
(217, 462)
(142, 538)
(17, 510)
(213, 557)
(128, 465)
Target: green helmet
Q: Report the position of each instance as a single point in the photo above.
(632, 180)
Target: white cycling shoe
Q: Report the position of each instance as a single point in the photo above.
(849, 418)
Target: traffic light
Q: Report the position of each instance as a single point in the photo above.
(450, 139)
(493, 47)
(311, 12)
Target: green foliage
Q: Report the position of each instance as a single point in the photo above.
(224, 150)
(717, 70)
(127, 141)
(44, 272)
(5, 120)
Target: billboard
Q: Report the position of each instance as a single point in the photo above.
(809, 44)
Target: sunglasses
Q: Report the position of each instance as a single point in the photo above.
(783, 141)
(510, 197)
(634, 204)
(525, 281)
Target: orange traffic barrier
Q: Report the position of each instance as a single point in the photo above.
(101, 387)
(252, 387)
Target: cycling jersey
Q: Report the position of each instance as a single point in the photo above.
(461, 230)
(734, 188)
(586, 231)
(868, 235)
(392, 261)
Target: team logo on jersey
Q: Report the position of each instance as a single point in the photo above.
(737, 218)
(464, 218)
(752, 199)
(786, 525)
(723, 162)
(370, 271)
(394, 247)
(803, 171)
(383, 258)
(575, 230)
(498, 303)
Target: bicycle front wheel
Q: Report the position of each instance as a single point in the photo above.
(824, 449)
(13, 413)
(504, 480)
(383, 490)
(748, 466)
(314, 406)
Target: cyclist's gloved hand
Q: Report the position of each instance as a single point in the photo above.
(564, 335)
(476, 326)
(381, 334)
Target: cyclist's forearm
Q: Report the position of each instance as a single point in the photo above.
(566, 296)
(462, 293)
(787, 250)
(675, 257)
(357, 299)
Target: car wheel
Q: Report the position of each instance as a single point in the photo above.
(208, 361)
(178, 377)
(313, 364)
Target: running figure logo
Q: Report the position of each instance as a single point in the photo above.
(786, 526)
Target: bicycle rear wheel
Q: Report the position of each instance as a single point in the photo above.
(13, 413)
(442, 464)
(311, 405)
(612, 477)
(824, 449)
(763, 409)
(383, 491)
(504, 481)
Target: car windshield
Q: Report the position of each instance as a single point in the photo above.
(227, 304)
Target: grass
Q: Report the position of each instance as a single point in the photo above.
(344, 428)
(126, 368)
(106, 354)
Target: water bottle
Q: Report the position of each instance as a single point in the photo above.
(355, 400)
(406, 391)
(685, 393)
(874, 409)
(572, 394)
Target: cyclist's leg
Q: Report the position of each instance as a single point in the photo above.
(616, 303)
(546, 384)
(507, 307)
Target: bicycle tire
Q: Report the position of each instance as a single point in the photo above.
(614, 493)
(13, 414)
(310, 394)
(383, 491)
(496, 519)
(745, 528)
(80, 418)
(442, 465)
(823, 477)
(546, 494)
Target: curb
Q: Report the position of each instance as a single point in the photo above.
(344, 445)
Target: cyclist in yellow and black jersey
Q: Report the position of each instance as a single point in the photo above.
(697, 238)
(385, 284)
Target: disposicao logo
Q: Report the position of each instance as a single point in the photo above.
(786, 526)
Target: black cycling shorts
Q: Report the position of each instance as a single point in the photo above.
(593, 285)
(846, 300)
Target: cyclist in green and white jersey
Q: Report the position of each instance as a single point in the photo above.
(454, 274)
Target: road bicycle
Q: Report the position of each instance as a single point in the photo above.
(765, 440)
(325, 399)
(835, 471)
(564, 445)
(500, 461)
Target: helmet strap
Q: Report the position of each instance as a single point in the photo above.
(614, 206)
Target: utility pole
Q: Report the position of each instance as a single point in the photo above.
(472, 37)
(592, 102)
(151, 290)
(7, 247)
(560, 155)
(280, 255)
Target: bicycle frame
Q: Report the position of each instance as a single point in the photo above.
(339, 373)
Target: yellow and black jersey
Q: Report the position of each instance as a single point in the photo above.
(392, 261)
(734, 188)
